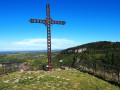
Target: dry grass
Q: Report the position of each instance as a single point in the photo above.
(58, 79)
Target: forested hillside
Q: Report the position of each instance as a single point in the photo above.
(102, 52)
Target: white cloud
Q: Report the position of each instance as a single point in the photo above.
(38, 44)
(32, 42)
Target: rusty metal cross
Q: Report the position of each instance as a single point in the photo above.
(48, 21)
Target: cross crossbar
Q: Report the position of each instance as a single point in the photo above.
(45, 21)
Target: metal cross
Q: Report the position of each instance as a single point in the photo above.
(48, 21)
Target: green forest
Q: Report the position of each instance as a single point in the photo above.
(103, 52)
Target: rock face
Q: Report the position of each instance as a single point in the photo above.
(77, 50)
(69, 51)
(81, 50)
(0, 65)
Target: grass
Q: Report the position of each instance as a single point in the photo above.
(70, 79)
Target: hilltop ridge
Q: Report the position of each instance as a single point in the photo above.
(104, 52)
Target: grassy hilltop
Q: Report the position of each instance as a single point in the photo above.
(70, 79)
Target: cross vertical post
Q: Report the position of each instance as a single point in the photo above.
(48, 21)
(49, 38)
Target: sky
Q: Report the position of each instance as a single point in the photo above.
(86, 21)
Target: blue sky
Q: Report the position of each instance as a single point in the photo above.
(86, 21)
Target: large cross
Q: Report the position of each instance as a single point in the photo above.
(48, 21)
